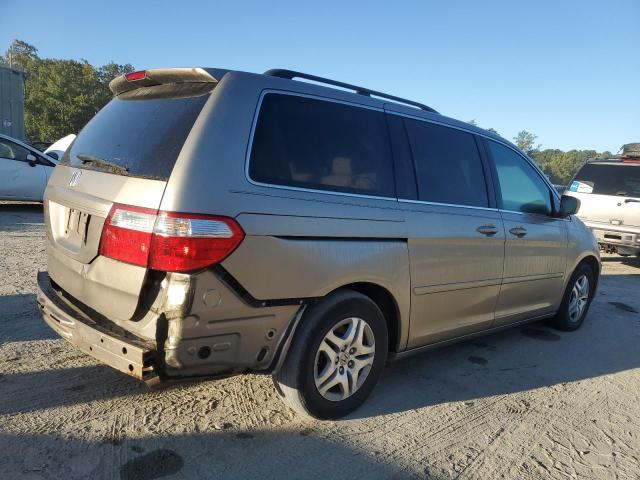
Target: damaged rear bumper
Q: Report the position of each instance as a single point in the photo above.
(132, 356)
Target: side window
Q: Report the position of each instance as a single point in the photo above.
(448, 165)
(12, 151)
(521, 187)
(303, 142)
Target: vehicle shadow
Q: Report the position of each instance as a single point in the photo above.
(233, 454)
(20, 319)
(516, 360)
(520, 359)
(20, 216)
(629, 261)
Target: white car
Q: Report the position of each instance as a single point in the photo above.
(57, 149)
(24, 170)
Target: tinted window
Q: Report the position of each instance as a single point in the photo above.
(448, 165)
(521, 187)
(12, 151)
(303, 142)
(144, 135)
(613, 179)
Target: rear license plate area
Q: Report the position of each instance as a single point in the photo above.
(76, 226)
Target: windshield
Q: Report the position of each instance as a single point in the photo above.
(140, 136)
(608, 179)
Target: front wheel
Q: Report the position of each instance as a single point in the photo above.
(577, 299)
(336, 357)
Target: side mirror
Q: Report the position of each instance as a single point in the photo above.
(568, 206)
(53, 155)
(33, 161)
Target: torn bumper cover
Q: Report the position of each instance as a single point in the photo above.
(95, 338)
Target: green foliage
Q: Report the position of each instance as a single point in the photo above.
(61, 96)
(525, 141)
(561, 166)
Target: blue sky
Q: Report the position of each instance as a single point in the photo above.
(566, 70)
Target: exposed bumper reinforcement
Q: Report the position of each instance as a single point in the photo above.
(130, 356)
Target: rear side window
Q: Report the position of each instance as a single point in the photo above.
(612, 179)
(448, 165)
(323, 145)
(521, 187)
(143, 135)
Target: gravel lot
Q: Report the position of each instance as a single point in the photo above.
(527, 403)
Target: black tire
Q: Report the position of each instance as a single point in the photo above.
(295, 381)
(563, 319)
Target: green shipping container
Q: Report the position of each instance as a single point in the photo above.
(12, 102)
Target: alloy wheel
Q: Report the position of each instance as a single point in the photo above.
(344, 359)
(579, 298)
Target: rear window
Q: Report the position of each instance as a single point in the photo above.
(611, 179)
(142, 134)
(321, 145)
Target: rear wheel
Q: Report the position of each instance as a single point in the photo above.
(577, 299)
(336, 357)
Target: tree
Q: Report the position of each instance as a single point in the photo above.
(61, 96)
(108, 72)
(525, 141)
(20, 54)
(561, 166)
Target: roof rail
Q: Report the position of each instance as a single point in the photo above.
(290, 74)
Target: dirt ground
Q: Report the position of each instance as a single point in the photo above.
(526, 403)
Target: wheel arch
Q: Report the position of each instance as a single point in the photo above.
(594, 264)
(385, 300)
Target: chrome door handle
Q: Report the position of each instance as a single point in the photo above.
(518, 231)
(487, 230)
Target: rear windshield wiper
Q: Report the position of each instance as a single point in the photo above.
(102, 163)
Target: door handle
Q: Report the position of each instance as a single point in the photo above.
(487, 230)
(631, 200)
(518, 231)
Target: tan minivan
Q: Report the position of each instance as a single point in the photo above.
(210, 222)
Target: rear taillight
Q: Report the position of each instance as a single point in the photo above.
(168, 241)
(126, 235)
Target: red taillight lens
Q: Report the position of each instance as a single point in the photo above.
(168, 241)
(135, 75)
(189, 242)
(126, 235)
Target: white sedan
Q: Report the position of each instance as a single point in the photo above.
(24, 170)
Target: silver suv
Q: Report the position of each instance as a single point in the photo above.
(210, 222)
(609, 194)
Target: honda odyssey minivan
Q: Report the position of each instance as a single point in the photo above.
(209, 222)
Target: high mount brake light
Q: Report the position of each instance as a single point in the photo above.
(133, 76)
(168, 241)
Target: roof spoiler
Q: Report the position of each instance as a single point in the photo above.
(162, 76)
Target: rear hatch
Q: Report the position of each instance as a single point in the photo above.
(123, 156)
(609, 193)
